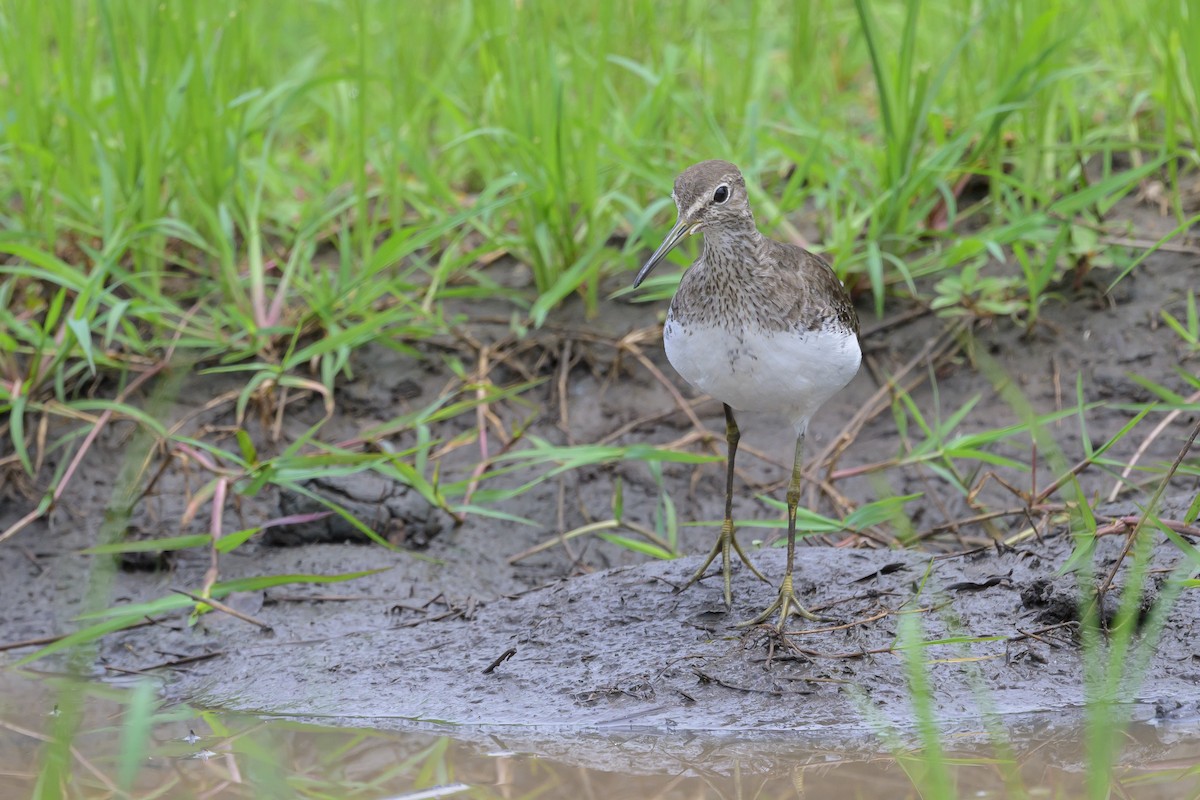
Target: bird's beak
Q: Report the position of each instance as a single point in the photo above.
(682, 228)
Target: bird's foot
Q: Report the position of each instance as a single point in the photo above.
(786, 604)
(726, 541)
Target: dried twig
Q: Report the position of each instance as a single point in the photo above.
(500, 659)
(845, 626)
(1151, 507)
(933, 350)
(1145, 445)
(628, 343)
(1148, 244)
(222, 607)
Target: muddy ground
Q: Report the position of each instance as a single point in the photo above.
(606, 652)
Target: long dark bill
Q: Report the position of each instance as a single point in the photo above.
(680, 230)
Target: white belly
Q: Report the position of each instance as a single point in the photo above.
(788, 372)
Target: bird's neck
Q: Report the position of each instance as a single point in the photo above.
(731, 245)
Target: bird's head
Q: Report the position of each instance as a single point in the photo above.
(708, 195)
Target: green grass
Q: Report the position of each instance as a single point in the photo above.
(253, 140)
(262, 190)
(258, 190)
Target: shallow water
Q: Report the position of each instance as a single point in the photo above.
(185, 753)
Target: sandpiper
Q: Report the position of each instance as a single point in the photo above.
(759, 325)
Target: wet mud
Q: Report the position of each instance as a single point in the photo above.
(623, 649)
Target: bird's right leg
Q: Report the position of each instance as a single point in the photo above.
(726, 540)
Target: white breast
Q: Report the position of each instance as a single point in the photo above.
(789, 372)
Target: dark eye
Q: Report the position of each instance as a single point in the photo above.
(721, 194)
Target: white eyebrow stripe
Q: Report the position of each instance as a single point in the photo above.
(694, 208)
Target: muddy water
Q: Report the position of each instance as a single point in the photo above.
(185, 753)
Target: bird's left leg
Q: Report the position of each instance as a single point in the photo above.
(787, 603)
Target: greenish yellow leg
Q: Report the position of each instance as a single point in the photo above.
(787, 603)
(726, 540)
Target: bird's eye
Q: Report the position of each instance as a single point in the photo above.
(721, 194)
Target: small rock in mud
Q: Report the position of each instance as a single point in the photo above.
(1052, 601)
(1056, 600)
(396, 512)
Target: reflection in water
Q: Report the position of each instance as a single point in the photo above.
(181, 753)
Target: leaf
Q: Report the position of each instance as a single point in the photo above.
(1184, 226)
(878, 512)
(133, 412)
(637, 545)
(1106, 192)
(150, 545)
(95, 632)
(636, 68)
(223, 588)
(491, 513)
(246, 445)
(567, 282)
(231, 541)
(1187, 548)
(1083, 530)
(116, 618)
(83, 335)
(16, 420)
